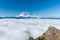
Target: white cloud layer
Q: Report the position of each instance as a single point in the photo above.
(22, 29)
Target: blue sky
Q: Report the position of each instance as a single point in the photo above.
(44, 8)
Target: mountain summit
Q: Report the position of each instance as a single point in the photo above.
(27, 14)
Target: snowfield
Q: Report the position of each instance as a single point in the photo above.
(22, 29)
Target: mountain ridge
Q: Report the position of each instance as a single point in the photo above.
(52, 33)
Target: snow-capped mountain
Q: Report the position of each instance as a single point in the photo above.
(27, 14)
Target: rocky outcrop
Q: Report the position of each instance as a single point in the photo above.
(51, 34)
(31, 38)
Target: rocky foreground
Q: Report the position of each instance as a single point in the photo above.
(51, 34)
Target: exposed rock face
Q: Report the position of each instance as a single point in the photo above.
(31, 38)
(51, 34)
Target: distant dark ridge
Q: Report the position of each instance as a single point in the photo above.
(27, 18)
(18, 17)
(50, 18)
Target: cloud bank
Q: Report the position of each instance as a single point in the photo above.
(22, 29)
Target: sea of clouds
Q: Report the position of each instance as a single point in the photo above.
(22, 29)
